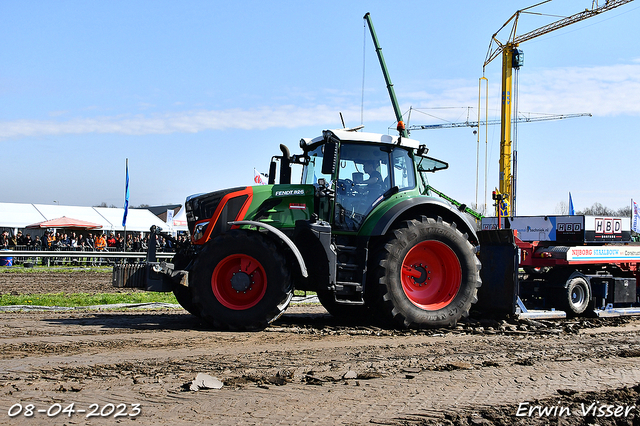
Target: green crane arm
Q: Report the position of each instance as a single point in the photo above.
(385, 72)
(456, 203)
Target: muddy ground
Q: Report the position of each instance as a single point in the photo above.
(137, 367)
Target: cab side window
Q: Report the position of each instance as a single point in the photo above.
(403, 173)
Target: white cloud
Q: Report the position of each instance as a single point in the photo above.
(287, 116)
(602, 91)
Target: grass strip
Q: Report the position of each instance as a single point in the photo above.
(59, 269)
(85, 299)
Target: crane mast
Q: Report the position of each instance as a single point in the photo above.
(512, 58)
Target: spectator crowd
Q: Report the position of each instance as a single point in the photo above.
(73, 241)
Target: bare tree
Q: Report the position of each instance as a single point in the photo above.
(624, 211)
(598, 209)
(562, 208)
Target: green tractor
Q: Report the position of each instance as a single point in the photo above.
(361, 230)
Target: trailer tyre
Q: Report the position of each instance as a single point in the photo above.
(576, 296)
(428, 274)
(241, 281)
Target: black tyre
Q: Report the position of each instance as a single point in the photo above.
(184, 295)
(428, 274)
(576, 296)
(241, 281)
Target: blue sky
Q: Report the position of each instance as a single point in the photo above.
(196, 94)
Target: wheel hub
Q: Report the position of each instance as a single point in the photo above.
(241, 281)
(422, 278)
(431, 275)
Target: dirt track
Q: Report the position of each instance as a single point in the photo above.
(308, 368)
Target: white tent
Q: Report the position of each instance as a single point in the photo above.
(180, 221)
(18, 216)
(14, 215)
(53, 211)
(137, 219)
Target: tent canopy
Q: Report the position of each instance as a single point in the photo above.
(66, 223)
(180, 221)
(14, 215)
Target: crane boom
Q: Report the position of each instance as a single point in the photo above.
(525, 119)
(512, 58)
(560, 23)
(387, 78)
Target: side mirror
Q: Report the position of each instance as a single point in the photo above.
(357, 177)
(330, 156)
(272, 172)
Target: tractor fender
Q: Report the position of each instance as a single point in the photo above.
(428, 206)
(282, 236)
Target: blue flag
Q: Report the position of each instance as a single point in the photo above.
(571, 211)
(126, 197)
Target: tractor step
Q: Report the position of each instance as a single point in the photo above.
(349, 293)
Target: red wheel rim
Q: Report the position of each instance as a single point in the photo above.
(431, 275)
(239, 281)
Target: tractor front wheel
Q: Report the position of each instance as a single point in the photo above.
(184, 296)
(428, 274)
(241, 281)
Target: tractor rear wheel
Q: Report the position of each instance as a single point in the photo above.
(428, 274)
(241, 281)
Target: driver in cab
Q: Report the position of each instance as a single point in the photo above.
(371, 187)
(371, 169)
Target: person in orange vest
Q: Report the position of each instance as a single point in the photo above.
(101, 242)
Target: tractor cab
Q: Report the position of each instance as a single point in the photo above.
(360, 170)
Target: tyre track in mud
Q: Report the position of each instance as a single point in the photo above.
(296, 371)
(306, 367)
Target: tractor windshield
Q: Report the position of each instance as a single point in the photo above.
(363, 176)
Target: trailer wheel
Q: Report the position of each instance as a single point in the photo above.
(428, 274)
(576, 296)
(241, 281)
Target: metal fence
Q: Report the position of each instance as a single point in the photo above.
(72, 256)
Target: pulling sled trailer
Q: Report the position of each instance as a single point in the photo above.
(557, 266)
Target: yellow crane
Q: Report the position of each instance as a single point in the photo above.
(513, 58)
